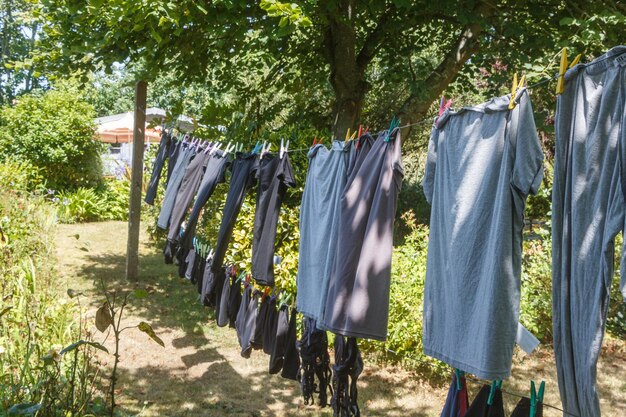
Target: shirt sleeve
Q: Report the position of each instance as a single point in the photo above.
(528, 163)
(286, 172)
(428, 183)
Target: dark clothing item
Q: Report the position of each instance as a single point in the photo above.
(250, 324)
(212, 286)
(274, 175)
(315, 364)
(214, 174)
(186, 193)
(277, 357)
(457, 401)
(348, 367)
(198, 271)
(257, 340)
(357, 302)
(222, 308)
(522, 409)
(240, 322)
(243, 178)
(480, 406)
(187, 155)
(291, 363)
(174, 152)
(234, 302)
(157, 167)
(269, 330)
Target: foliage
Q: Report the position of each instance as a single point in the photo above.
(18, 34)
(54, 132)
(35, 323)
(109, 201)
(20, 177)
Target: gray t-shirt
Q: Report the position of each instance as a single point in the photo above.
(482, 163)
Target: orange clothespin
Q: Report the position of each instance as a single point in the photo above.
(315, 140)
(266, 293)
(560, 85)
(248, 277)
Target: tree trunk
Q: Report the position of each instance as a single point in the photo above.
(346, 76)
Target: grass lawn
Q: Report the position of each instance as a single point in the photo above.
(200, 371)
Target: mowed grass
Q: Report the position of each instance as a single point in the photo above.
(200, 372)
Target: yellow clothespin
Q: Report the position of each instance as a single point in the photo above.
(575, 61)
(353, 135)
(560, 85)
(347, 135)
(513, 92)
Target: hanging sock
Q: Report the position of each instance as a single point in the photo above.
(348, 367)
(292, 360)
(457, 401)
(315, 363)
(480, 406)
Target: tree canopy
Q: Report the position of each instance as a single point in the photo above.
(325, 60)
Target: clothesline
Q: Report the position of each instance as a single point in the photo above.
(477, 381)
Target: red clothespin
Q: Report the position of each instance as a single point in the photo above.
(266, 293)
(315, 140)
(248, 279)
(360, 131)
(443, 106)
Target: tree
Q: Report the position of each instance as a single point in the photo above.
(53, 131)
(18, 34)
(335, 47)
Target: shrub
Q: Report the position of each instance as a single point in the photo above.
(82, 205)
(53, 131)
(35, 323)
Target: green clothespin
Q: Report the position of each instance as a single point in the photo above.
(535, 398)
(459, 374)
(496, 383)
(394, 123)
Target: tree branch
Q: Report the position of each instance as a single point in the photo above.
(417, 104)
(373, 40)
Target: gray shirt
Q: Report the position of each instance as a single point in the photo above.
(482, 163)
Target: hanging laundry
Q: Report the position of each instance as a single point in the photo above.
(357, 302)
(291, 363)
(348, 366)
(185, 269)
(274, 175)
(250, 324)
(587, 213)
(277, 356)
(240, 322)
(244, 170)
(481, 407)
(215, 174)
(457, 402)
(186, 192)
(222, 309)
(157, 167)
(257, 340)
(482, 163)
(174, 151)
(315, 364)
(522, 409)
(270, 324)
(319, 224)
(183, 160)
(234, 302)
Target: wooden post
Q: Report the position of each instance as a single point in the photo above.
(134, 214)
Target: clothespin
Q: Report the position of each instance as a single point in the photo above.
(283, 148)
(360, 131)
(560, 85)
(514, 87)
(394, 123)
(496, 383)
(459, 374)
(347, 135)
(575, 61)
(314, 141)
(535, 397)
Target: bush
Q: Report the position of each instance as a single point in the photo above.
(107, 202)
(35, 323)
(53, 131)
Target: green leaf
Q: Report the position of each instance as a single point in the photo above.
(566, 21)
(24, 409)
(78, 344)
(155, 35)
(103, 317)
(147, 329)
